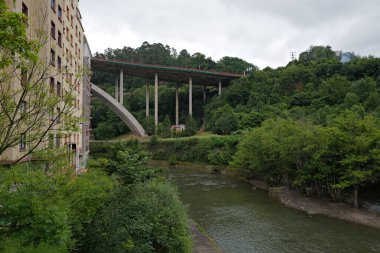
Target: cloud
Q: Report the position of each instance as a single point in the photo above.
(261, 32)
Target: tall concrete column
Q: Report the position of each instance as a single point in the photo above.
(121, 90)
(147, 99)
(204, 93)
(156, 99)
(190, 96)
(220, 88)
(176, 105)
(117, 89)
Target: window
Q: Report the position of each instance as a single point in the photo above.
(80, 35)
(51, 115)
(59, 63)
(52, 30)
(72, 21)
(59, 89)
(23, 107)
(71, 40)
(51, 140)
(24, 77)
(59, 13)
(59, 39)
(22, 142)
(76, 30)
(68, 13)
(58, 115)
(25, 10)
(52, 85)
(52, 4)
(52, 57)
(57, 142)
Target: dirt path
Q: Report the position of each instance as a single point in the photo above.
(203, 243)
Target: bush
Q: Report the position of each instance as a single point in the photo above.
(144, 213)
(147, 217)
(48, 209)
(214, 150)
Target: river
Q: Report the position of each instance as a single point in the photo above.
(243, 220)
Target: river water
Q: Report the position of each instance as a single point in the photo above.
(243, 220)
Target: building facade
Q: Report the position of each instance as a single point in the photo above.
(67, 53)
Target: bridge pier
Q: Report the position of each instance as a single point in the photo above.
(177, 105)
(204, 93)
(220, 88)
(147, 99)
(117, 89)
(190, 97)
(121, 91)
(155, 99)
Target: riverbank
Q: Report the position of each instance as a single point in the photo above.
(297, 201)
(202, 242)
(314, 206)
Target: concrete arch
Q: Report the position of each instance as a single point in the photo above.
(119, 109)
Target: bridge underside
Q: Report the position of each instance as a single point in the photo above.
(157, 73)
(120, 110)
(166, 73)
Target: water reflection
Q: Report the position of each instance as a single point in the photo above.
(243, 220)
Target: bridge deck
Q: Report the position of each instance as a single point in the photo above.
(165, 73)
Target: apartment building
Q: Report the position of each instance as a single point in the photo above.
(67, 52)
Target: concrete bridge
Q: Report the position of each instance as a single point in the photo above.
(157, 73)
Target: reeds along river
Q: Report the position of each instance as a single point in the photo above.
(243, 220)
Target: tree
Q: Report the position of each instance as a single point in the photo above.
(359, 151)
(28, 105)
(333, 90)
(234, 65)
(164, 128)
(191, 126)
(143, 214)
(146, 217)
(316, 53)
(44, 206)
(224, 121)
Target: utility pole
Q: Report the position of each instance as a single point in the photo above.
(293, 56)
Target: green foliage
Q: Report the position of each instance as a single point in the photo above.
(142, 218)
(164, 128)
(233, 65)
(44, 208)
(313, 158)
(143, 213)
(317, 53)
(191, 127)
(224, 121)
(216, 150)
(14, 38)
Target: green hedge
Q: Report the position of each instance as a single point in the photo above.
(216, 150)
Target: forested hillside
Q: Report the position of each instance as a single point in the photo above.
(313, 124)
(107, 125)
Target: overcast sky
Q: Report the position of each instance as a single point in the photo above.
(263, 32)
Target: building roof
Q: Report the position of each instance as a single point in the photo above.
(165, 73)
